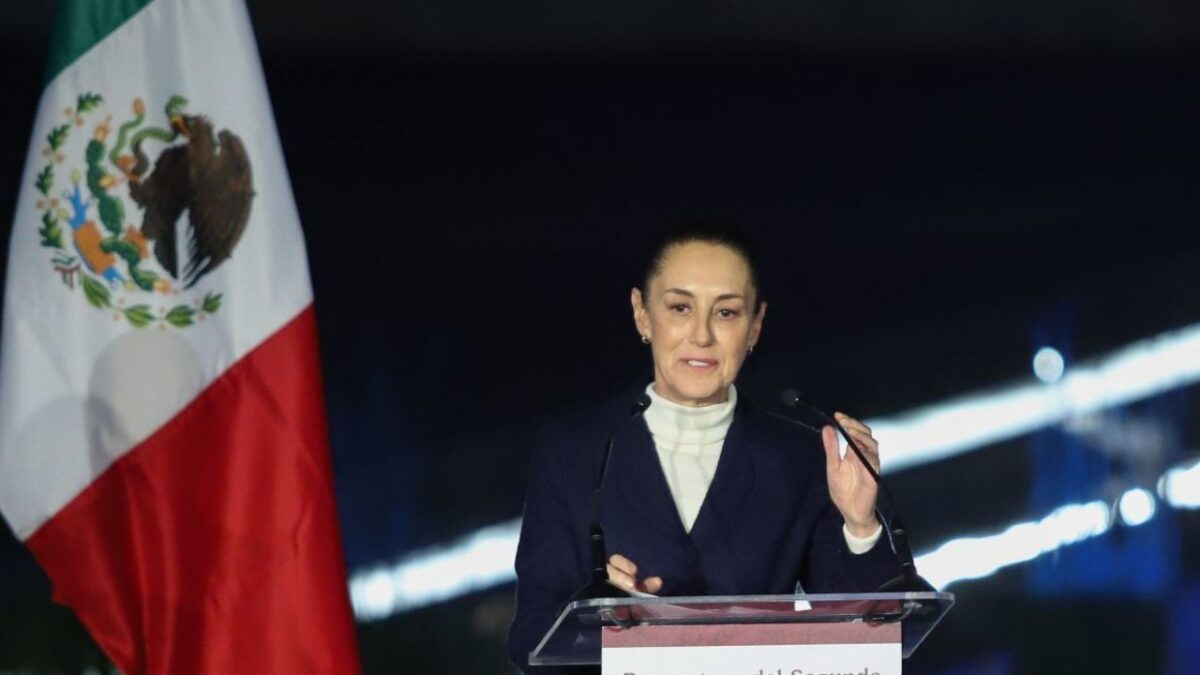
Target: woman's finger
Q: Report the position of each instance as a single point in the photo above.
(851, 423)
(829, 439)
(865, 441)
(622, 563)
(869, 453)
(652, 585)
(620, 578)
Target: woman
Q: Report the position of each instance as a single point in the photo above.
(704, 495)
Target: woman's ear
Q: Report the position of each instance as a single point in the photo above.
(757, 323)
(640, 318)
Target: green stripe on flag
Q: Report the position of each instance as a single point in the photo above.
(80, 24)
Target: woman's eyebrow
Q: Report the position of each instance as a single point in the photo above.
(680, 291)
(723, 296)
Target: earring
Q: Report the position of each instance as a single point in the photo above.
(750, 350)
(645, 339)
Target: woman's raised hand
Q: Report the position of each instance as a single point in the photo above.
(851, 487)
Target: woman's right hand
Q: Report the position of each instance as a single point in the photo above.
(623, 572)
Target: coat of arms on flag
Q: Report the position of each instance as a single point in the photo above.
(199, 185)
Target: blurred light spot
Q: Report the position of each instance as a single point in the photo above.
(1048, 365)
(1137, 506)
(978, 557)
(1180, 487)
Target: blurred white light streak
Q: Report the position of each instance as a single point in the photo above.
(485, 558)
(1138, 371)
(977, 557)
(479, 560)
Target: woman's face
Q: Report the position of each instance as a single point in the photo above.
(699, 315)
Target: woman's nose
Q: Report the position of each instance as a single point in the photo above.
(702, 334)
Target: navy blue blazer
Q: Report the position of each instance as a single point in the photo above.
(766, 522)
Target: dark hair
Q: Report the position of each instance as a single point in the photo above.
(717, 233)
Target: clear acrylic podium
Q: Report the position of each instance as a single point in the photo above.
(574, 639)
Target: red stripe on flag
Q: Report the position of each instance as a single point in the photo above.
(213, 546)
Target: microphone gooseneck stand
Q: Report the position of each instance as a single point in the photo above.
(908, 580)
(599, 586)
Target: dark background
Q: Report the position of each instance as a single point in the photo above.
(940, 188)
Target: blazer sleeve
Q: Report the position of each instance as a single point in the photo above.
(547, 564)
(830, 567)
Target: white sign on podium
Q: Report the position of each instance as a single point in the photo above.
(752, 649)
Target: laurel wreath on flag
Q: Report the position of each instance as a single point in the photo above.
(72, 271)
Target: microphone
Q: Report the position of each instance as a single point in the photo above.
(599, 587)
(908, 579)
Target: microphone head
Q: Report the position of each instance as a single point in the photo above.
(792, 398)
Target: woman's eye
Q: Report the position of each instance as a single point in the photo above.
(679, 308)
(728, 313)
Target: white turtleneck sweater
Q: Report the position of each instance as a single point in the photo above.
(689, 441)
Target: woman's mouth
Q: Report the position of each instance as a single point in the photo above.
(700, 364)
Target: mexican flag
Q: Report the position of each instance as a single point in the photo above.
(163, 450)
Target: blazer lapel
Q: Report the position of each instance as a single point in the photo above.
(643, 496)
(642, 521)
(732, 484)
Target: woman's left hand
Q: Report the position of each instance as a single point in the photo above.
(851, 488)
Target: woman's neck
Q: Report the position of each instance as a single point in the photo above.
(670, 420)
